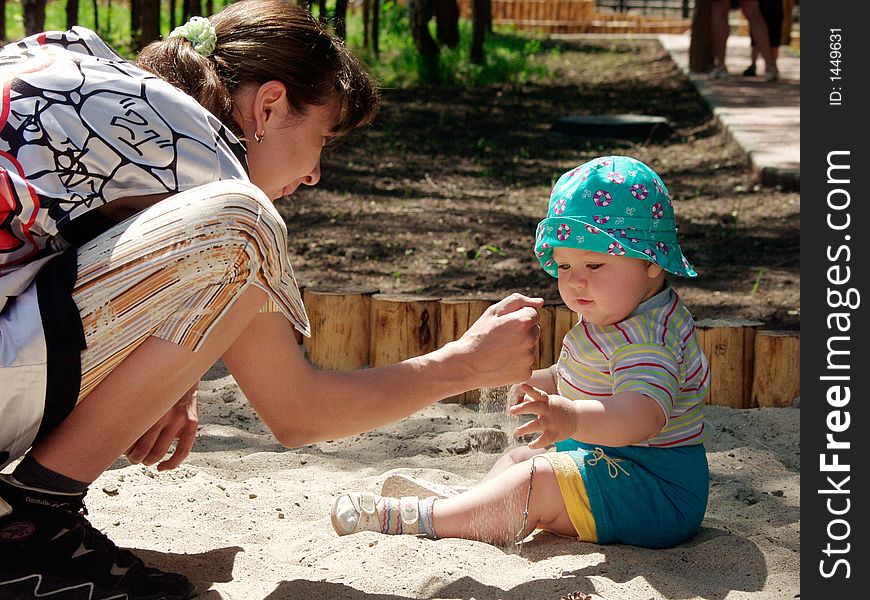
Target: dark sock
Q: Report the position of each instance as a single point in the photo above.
(32, 474)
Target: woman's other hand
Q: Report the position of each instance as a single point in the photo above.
(179, 423)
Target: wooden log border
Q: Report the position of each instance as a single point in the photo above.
(750, 366)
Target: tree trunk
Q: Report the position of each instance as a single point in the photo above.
(729, 345)
(34, 16)
(136, 23)
(366, 9)
(340, 327)
(447, 22)
(190, 8)
(479, 18)
(322, 15)
(341, 19)
(376, 27)
(72, 13)
(209, 7)
(135, 16)
(419, 14)
(2, 20)
(150, 24)
(96, 16)
(173, 22)
(402, 326)
(701, 42)
(776, 377)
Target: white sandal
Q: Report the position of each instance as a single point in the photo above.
(365, 511)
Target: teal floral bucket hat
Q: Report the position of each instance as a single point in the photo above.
(614, 205)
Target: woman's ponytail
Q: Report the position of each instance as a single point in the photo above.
(175, 60)
(255, 41)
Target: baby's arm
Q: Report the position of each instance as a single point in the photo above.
(542, 379)
(622, 419)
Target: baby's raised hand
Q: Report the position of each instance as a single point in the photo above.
(555, 416)
(515, 395)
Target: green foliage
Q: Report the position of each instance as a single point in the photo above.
(114, 20)
(510, 55)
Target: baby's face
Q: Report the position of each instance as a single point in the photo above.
(605, 289)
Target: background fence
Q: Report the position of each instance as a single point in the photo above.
(665, 8)
(358, 328)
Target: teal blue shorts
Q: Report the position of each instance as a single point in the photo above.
(652, 497)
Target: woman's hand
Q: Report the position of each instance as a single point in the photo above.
(500, 346)
(179, 423)
(556, 416)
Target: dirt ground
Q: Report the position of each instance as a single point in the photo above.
(442, 194)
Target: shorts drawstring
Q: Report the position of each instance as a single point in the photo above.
(613, 466)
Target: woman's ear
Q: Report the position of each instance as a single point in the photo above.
(270, 101)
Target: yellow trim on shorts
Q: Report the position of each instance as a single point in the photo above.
(574, 495)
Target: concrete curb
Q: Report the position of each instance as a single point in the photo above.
(769, 132)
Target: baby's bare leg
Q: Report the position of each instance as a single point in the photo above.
(492, 511)
(509, 459)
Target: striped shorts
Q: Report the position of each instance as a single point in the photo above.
(171, 271)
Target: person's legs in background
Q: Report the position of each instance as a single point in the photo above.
(758, 32)
(720, 31)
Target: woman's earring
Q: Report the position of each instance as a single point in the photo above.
(259, 136)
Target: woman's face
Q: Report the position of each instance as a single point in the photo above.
(289, 154)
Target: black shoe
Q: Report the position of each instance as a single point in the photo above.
(749, 71)
(49, 549)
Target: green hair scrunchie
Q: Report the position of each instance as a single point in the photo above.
(200, 32)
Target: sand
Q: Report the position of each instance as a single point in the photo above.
(247, 519)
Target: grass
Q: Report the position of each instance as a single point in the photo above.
(112, 22)
(511, 55)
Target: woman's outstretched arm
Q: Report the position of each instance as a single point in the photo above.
(301, 404)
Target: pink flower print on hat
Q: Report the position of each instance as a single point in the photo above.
(650, 253)
(605, 163)
(615, 232)
(592, 229)
(602, 198)
(631, 239)
(601, 220)
(657, 210)
(575, 171)
(662, 247)
(616, 177)
(563, 232)
(639, 191)
(616, 249)
(559, 208)
(658, 185)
